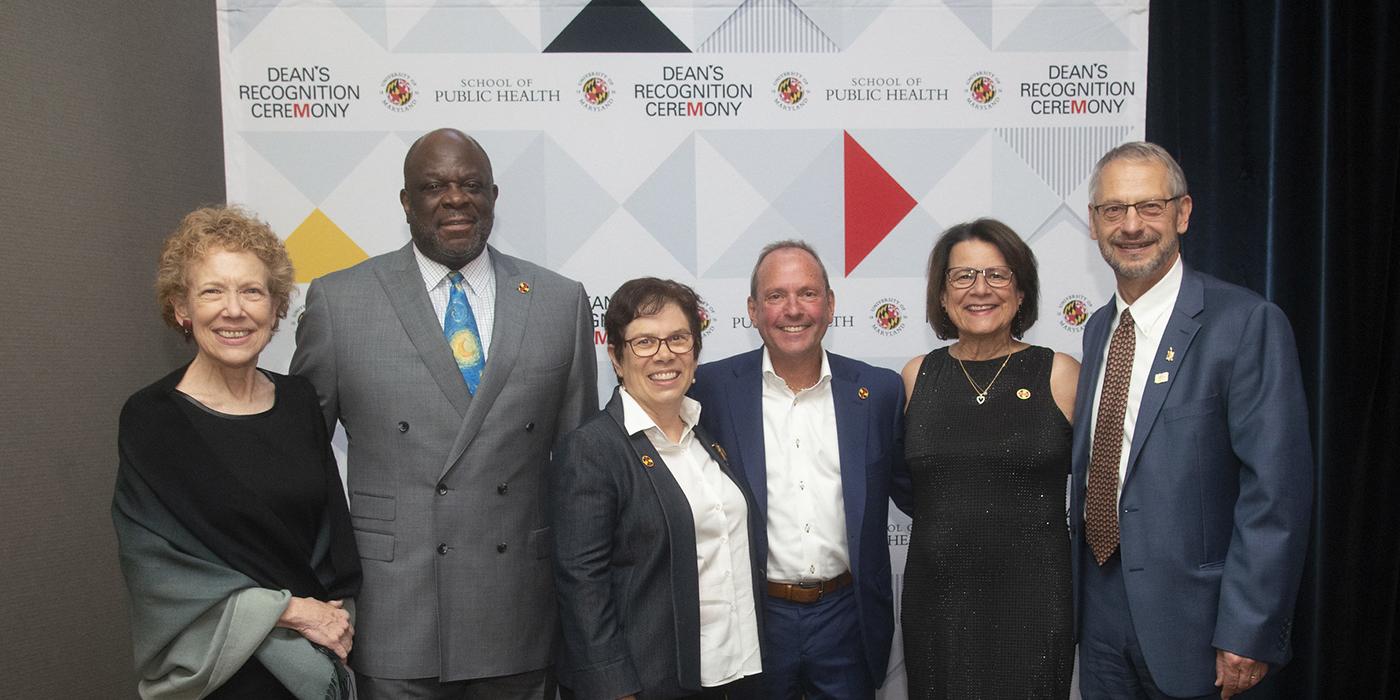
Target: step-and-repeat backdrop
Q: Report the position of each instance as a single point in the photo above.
(675, 138)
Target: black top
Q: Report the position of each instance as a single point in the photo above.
(256, 490)
(986, 607)
(269, 453)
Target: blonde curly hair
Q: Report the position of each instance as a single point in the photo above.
(231, 228)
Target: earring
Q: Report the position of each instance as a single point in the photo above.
(188, 328)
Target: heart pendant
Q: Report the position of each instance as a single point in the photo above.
(981, 399)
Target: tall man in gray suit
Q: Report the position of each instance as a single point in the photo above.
(448, 451)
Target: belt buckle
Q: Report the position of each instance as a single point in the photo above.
(818, 586)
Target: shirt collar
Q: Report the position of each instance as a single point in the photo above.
(1151, 309)
(434, 272)
(635, 418)
(772, 377)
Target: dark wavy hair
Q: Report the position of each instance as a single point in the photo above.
(1018, 257)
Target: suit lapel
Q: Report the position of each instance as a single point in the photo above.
(403, 284)
(507, 334)
(1180, 331)
(746, 412)
(852, 434)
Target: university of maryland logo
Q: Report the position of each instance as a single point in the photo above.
(1074, 312)
(595, 91)
(983, 90)
(399, 91)
(790, 91)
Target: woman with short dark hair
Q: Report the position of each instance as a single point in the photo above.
(653, 556)
(986, 609)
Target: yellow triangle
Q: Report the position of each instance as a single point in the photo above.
(319, 247)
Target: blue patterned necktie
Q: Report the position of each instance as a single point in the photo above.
(459, 326)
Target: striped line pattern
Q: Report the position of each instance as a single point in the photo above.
(1062, 156)
(768, 26)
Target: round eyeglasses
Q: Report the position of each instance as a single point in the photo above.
(1147, 209)
(964, 277)
(648, 345)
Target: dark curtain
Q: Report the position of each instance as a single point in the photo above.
(1286, 118)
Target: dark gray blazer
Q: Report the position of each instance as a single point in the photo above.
(624, 555)
(448, 490)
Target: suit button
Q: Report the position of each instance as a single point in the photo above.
(501, 548)
(442, 489)
(502, 487)
(529, 426)
(403, 426)
(442, 549)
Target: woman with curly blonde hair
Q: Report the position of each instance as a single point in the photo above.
(232, 525)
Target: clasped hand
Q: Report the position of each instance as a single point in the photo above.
(326, 624)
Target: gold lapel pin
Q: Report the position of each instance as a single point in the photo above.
(1160, 378)
(524, 287)
(722, 454)
(863, 393)
(1171, 354)
(648, 462)
(1023, 394)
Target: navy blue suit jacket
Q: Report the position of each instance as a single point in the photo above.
(1217, 497)
(870, 437)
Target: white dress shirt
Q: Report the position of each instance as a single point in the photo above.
(1150, 314)
(806, 510)
(728, 612)
(479, 282)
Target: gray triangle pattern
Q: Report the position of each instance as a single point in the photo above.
(770, 160)
(574, 204)
(475, 28)
(976, 15)
(1062, 156)
(371, 17)
(739, 259)
(815, 204)
(1066, 25)
(1062, 214)
(843, 21)
(768, 26)
(811, 207)
(244, 16)
(316, 162)
(665, 205)
(520, 221)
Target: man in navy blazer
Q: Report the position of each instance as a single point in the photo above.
(819, 438)
(1192, 486)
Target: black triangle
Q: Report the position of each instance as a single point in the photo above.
(616, 26)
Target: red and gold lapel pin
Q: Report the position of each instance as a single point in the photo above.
(863, 393)
(524, 287)
(722, 454)
(647, 461)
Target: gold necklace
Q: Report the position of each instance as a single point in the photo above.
(981, 392)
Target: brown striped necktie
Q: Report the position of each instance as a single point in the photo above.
(1101, 499)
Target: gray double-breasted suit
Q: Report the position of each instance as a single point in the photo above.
(448, 491)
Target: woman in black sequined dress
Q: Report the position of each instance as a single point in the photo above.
(986, 608)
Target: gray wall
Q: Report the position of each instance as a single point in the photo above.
(111, 131)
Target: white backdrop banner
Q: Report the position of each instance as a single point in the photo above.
(675, 138)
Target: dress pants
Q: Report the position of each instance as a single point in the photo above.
(814, 650)
(1111, 664)
(531, 685)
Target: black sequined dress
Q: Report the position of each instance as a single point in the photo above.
(986, 608)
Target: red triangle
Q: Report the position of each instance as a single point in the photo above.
(875, 204)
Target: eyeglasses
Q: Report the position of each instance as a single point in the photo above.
(648, 345)
(1147, 209)
(964, 277)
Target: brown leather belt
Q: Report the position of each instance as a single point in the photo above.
(810, 592)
